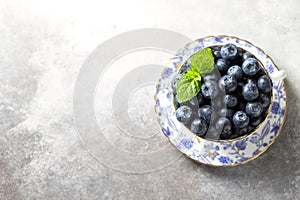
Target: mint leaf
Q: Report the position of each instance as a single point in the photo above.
(203, 61)
(188, 86)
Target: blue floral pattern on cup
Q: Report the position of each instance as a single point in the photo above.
(219, 153)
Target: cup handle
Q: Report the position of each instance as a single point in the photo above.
(278, 75)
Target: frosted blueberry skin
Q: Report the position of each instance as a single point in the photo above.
(254, 109)
(240, 119)
(251, 66)
(222, 65)
(223, 125)
(184, 114)
(229, 51)
(250, 91)
(264, 84)
(199, 126)
(230, 101)
(228, 83)
(209, 89)
(205, 113)
(236, 71)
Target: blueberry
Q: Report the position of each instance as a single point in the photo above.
(174, 82)
(264, 84)
(224, 125)
(217, 53)
(241, 131)
(250, 91)
(247, 55)
(228, 82)
(226, 112)
(240, 119)
(184, 114)
(230, 101)
(251, 66)
(199, 126)
(264, 100)
(209, 89)
(254, 109)
(222, 65)
(255, 121)
(205, 113)
(229, 51)
(236, 71)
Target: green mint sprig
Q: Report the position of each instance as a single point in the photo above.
(189, 84)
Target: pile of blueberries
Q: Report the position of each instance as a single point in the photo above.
(233, 99)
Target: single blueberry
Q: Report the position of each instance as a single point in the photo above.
(224, 125)
(250, 66)
(255, 121)
(264, 100)
(222, 65)
(205, 113)
(240, 119)
(199, 126)
(217, 53)
(230, 101)
(184, 114)
(209, 89)
(264, 84)
(247, 55)
(236, 71)
(228, 83)
(229, 52)
(250, 91)
(254, 109)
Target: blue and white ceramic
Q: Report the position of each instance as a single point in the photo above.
(220, 152)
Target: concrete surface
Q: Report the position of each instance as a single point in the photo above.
(43, 45)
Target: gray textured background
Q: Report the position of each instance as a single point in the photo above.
(43, 44)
